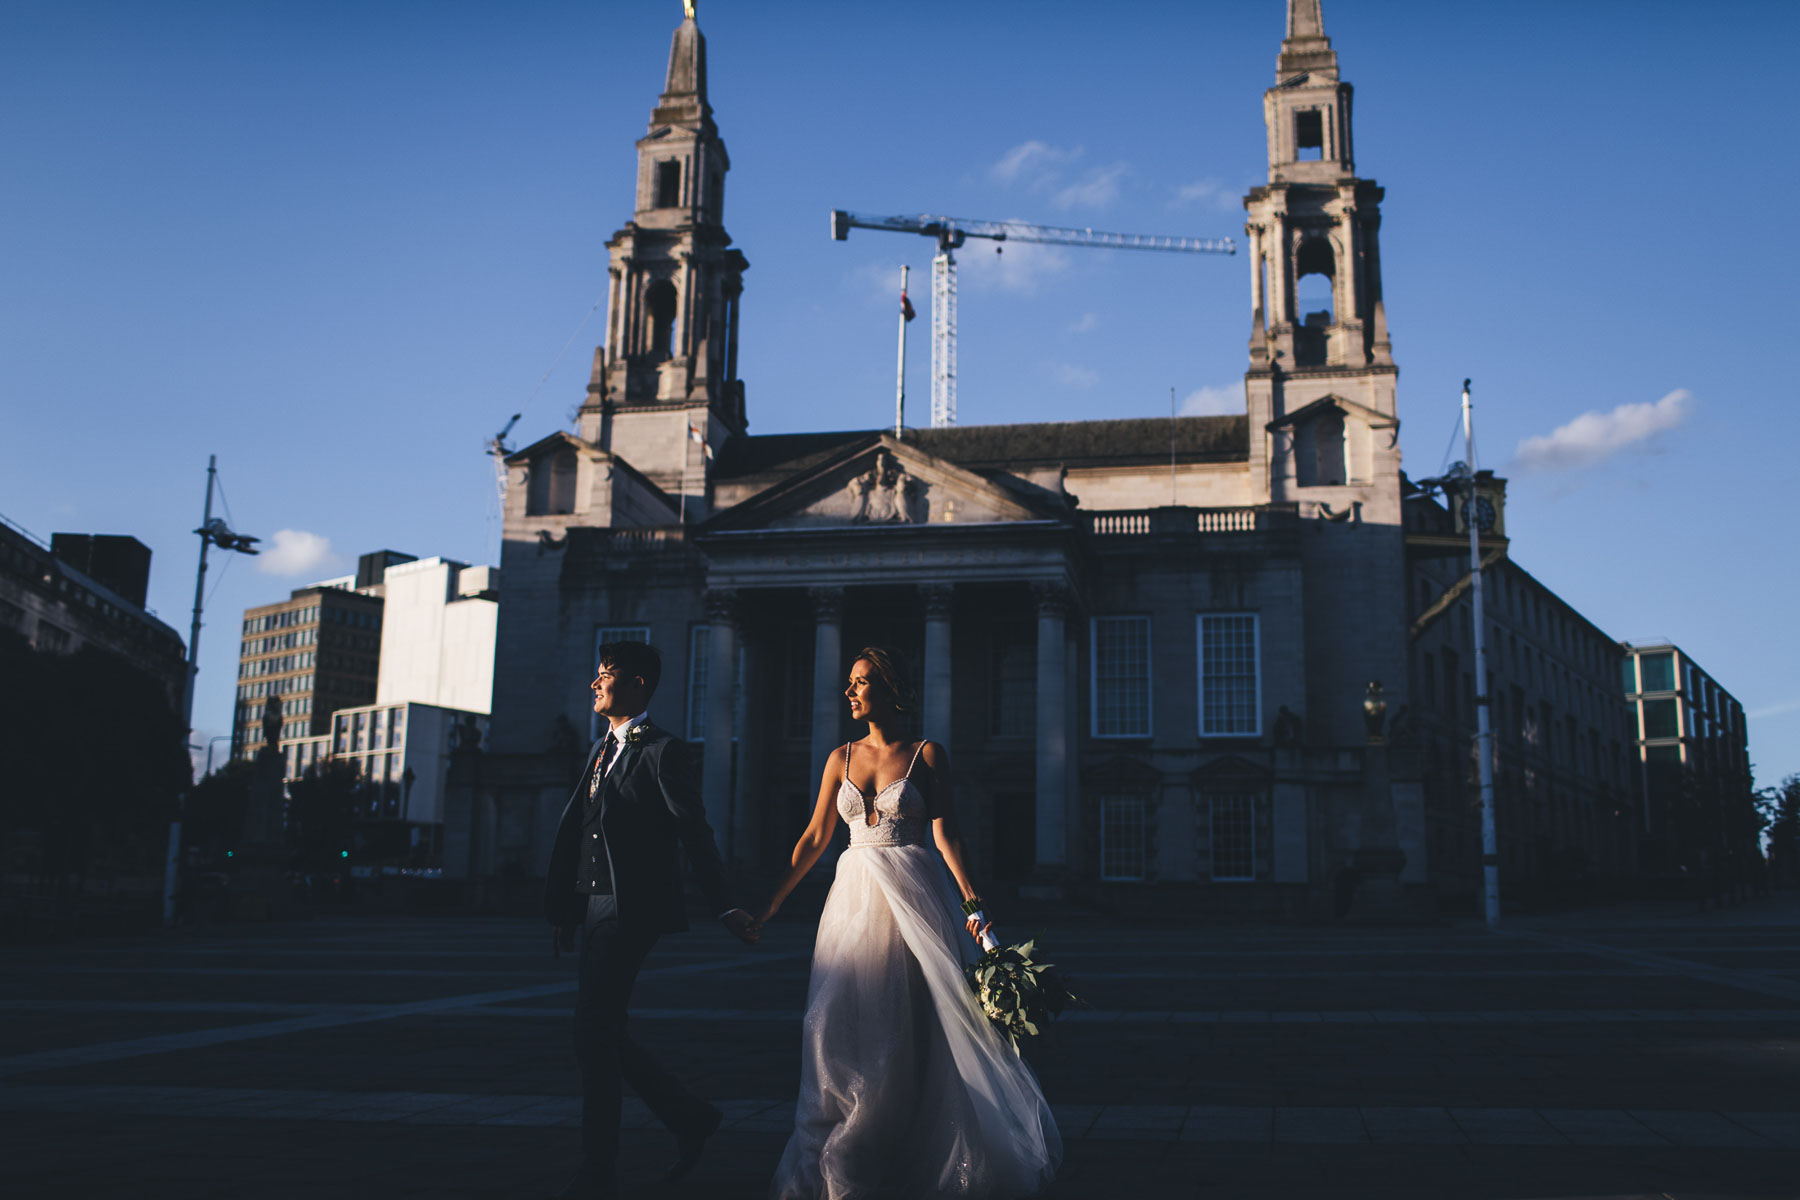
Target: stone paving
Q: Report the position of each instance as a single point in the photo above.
(1630, 1052)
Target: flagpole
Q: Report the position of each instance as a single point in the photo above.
(686, 454)
(900, 370)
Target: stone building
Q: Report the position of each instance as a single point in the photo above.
(87, 590)
(1563, 799)
(1228, 697)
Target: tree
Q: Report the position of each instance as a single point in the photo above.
(1780, 807)
(213, 819)
(322, 815)
(95, 756)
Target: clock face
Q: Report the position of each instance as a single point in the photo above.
(1485, 516)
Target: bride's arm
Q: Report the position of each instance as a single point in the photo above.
(816, 837)
(944, 829)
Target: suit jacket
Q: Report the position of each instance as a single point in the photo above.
(650, 808)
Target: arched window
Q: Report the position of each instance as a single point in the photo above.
(1314, 303)
(659, 303)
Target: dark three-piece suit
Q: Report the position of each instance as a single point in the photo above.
(615, 870)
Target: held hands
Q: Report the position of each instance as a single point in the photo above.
(742, 925)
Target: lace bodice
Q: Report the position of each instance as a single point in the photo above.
(900, 815)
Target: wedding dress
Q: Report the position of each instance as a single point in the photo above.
(906, 1090)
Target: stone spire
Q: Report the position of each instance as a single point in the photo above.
(683, 100)
(1306, 48)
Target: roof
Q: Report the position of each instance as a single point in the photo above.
(1131, 441)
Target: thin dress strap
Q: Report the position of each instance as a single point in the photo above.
(917, 750)
(846, 762)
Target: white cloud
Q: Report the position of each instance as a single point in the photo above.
(1595, 436)
(1070, 375)
(1211, 401)
(1010, 267)
(1033, 163)
(295, 552)
(1207, 192)
(1086, 323)
(1097, 188)
(1045, 170)
(1773, 710)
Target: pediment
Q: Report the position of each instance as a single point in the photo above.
(1349, 408)
(882, 482)
(1229, 769)
(1122, 774)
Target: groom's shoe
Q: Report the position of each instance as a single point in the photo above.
(689, 1145)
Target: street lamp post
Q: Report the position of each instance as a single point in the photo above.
(213, 532)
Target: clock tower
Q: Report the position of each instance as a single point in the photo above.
(1321, 378)
(669, 365)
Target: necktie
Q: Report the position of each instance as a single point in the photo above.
(606, 756)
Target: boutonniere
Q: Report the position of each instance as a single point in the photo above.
(637, 733)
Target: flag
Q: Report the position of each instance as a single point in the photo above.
(694, 435)
(906, 308)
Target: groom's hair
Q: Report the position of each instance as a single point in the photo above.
(884, 669)
(633, 658)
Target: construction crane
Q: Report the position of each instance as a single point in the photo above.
(952, 232)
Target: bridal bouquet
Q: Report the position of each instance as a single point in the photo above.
(1017, 992)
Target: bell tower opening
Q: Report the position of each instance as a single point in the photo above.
(668, 183)
(659, 305)
(1314, 307)
(1309, 135)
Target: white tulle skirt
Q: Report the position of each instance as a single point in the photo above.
(906, 1091)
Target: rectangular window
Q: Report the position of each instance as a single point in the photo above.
(1012, 680)
(1659, 671)
(1233, 836)
(1230, 671)
(52, 638)
(699, 664)
(620, 633)
(1309, 135)
(1121, 677)
(1121, 837)
(1660, 719)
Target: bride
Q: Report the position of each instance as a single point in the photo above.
(906, 1090)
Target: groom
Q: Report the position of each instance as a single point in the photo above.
(615, 874)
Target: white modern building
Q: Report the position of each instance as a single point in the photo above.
(437, 638)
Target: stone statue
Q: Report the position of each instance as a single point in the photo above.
(860, 487)
(271, 723)
(1289, 728)
(1374, 712)
(885, 492)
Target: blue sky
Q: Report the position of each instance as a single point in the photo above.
(337, 244)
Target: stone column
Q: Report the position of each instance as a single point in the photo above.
(721, 686)
(1052, 729)
(1257, 267)
(828, 675)
(938, 599)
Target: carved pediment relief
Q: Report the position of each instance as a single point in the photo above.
(887, 484)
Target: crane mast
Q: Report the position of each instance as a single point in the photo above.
(951, 232)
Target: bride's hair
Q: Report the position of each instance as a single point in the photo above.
(885, 670)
